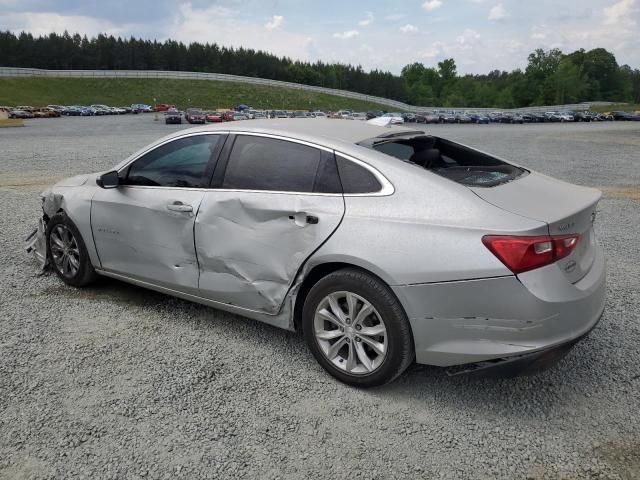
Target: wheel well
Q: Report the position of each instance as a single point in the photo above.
(314, 276)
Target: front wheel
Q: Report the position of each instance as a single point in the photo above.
(68, 253)
(357, 329)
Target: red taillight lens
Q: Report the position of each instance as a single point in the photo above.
(520, 254)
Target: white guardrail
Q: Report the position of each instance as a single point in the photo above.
(37, 72)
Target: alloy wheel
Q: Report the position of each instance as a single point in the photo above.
(351, 333)
(64, 251)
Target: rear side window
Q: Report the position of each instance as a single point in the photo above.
(355, 178)
(180, 163)
(262, 163)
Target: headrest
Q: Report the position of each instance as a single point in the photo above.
(426, 158)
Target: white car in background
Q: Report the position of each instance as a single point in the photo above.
(359, 116)
(396, 118)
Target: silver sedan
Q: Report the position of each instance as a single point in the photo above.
(384, 245)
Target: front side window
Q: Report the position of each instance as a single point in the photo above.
(261, 163)
(180, 163)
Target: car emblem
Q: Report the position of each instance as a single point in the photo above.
(570, 266)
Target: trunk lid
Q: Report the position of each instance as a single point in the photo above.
(564, 207)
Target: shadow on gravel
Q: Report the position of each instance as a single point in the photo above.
(519, 397)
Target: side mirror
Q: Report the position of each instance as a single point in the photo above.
(108, 180)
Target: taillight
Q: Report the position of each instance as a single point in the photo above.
(520, 254)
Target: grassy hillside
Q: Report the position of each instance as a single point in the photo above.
(624, 107)
(183, 93)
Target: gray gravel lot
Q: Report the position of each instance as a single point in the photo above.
(118, 382)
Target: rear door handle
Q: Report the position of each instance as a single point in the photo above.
(178, 206)
(301, 218)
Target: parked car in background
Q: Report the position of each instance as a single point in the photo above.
(101, 109)
(605, 117)
(172, 116)
(299, 114)
(446, 117)
(319, 114)
(72, 111)
(58, 108)
(237, 116)
(163, 107)
(396, 117)
(374, 114)
(46, 112)
(259, 115)
(141, 108)
(511, 118)
(359, 116)
(432, 117)
(409, 117)
(478, 117)
(214, 117)
(194, 115)
(280, 114)
(618, 115)
(581, 116)
(462, 117)
(18, 113)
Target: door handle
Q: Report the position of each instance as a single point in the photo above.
(301, 218)
(178, 206)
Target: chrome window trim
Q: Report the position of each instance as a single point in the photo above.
(386, 190)
(387, 187)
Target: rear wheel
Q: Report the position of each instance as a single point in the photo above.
(356, 329)
(68, 254)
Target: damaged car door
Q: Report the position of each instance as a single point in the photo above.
(273, 202)
(144, 228)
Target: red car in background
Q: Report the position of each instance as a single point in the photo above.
(215, 117)
(163, 107)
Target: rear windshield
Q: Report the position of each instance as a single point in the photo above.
(448, 159)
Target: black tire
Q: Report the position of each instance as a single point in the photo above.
(85, 274)
(400, 352)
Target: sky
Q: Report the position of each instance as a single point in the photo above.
(481, 35)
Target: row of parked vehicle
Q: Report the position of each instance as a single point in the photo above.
(50, 111)
(519, 118)
(196, 115)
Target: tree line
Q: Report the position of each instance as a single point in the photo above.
(550, 76)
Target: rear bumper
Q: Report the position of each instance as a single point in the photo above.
(527, 364)
(466, 322)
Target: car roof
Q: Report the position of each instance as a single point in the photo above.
(340, 135)
(324, 133)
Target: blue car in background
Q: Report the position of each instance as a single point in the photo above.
(478, 117)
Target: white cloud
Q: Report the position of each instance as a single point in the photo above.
(430, 5)
(622, 11)
(468, 39)
(275, 23)
(346, 35)
(408, 28)
(498, 12)
(435, 50)
(44, 23)
(367, 21)
(395, 16)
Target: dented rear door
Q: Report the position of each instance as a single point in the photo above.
(253, 232)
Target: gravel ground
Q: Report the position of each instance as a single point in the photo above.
(118, 382)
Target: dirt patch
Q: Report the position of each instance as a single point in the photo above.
(623, 459)
(27, 182)
(629, 193)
